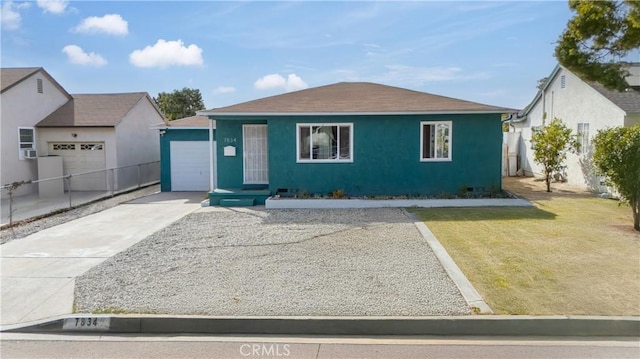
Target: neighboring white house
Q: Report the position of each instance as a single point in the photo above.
(586, 108)
(88, 132)
(28, 95)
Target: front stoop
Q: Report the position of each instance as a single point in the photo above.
(237, 202)
(238, 197)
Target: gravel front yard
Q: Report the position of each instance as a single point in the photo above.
(217, 261)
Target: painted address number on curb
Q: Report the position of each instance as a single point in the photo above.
(86, 323)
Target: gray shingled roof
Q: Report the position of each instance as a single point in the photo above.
(93, 110)
(193, 121)
(355, 97)
(628, 101)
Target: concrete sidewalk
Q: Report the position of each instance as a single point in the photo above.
(38, 271)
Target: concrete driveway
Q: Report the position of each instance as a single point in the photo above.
(38, 272)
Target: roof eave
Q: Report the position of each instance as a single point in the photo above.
(553, 74)
(74, 126)
(211, 114)
(178, 128)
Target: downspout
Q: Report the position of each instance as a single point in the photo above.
(212, 162)
(544, 106)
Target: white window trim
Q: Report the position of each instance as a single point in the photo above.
(337, 160)
(582, 139)
(436, 123)
(33, 144)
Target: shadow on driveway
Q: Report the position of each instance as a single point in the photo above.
(171, 197)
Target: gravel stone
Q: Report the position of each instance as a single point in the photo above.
(247, 261)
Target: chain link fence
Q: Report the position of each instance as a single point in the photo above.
(52, 194)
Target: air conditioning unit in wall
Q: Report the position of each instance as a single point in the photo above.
(30, 154)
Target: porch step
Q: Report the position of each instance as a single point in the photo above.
(238, 196)
(237, 202)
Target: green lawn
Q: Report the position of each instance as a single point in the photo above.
(570, 254)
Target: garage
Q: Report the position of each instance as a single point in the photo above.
(184, 154)
(189, 166)
(78, 158)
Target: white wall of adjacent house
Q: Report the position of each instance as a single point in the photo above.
(23, 106)
(580, 107)
(136, 142)
(83, 149)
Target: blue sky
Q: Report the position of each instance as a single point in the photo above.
(488, 52)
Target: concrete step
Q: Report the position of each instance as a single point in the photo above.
(237, 202)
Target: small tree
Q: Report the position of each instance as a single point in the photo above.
(550, 146)
(617, 156)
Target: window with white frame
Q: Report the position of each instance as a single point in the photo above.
(331, 142)
(435, 141)
(26, 138)
(583, 137)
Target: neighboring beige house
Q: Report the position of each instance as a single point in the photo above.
(88, 132)
(586, 108)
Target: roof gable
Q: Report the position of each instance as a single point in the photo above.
(628, 101)
(93, 110)
(12, 76)
(354, 98)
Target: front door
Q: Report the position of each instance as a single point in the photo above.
(255, 157)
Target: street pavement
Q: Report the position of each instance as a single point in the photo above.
(171, 346)
(38, 271)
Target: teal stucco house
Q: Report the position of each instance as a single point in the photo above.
(364, 139)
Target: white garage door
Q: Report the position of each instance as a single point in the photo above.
(79, 158)
(189, 165)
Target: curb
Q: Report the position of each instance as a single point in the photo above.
(468, 291)
(458, 325)
(283, 203)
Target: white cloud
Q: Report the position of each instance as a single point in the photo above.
(77, 56)
(270, 81)
(112, 24)
(293, 82)
(53, 6)
(167, 53)
(9, 15)
(224, 89)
